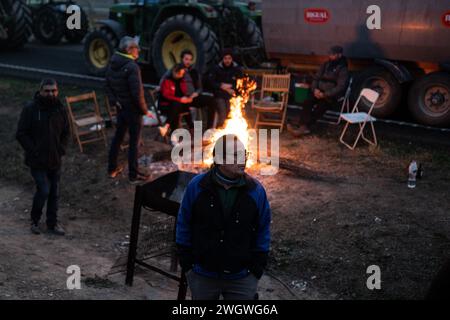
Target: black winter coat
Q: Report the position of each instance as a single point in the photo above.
(332, 78)
(124, 84)
(222, 74)
(43, 132)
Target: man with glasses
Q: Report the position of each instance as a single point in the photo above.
(125, 91)
(43, 132)
(223, 228)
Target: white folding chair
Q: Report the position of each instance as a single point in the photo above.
(361, 118)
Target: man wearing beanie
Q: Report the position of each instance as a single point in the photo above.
(223, 80)
(329, 84)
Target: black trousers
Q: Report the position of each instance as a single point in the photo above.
(313, 110)
(131, 122)
(172, 112)
(207, 104)
(47, 190)
(223, 108)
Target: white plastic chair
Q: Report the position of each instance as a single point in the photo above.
(361, 118)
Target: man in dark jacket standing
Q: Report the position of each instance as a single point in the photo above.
(223, 228)
(329, 84)
(43, 132)
(223, 80)
(125, 91)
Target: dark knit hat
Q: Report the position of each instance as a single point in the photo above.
(336, 50)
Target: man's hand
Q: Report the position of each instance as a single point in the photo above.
(226, 86)
(186, 100)
(194, 95)
(230, 92)
(318, 94)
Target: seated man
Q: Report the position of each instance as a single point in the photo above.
(329, 84)
(193, 79)
(174, 99)
(223, 80)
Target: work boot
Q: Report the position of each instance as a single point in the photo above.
(293, 130)
(143, 174)
(138, 179)
(57, 230)
(114, 173)
(304, 130)
(35, 228)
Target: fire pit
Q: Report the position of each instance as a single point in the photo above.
(162, 195)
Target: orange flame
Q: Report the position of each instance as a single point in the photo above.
(236, 123)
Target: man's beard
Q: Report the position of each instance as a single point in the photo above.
(49, 101)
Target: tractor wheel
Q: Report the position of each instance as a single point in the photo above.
(15, 28)
(75, 36)
(181, 32)
(98, 48)
(383, 82)
(252, 37)
(49, 25)
(429, 99)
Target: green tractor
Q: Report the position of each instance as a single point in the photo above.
(15, 24)
(49, 21)
(166, 27)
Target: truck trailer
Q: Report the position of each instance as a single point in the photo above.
(395, 47)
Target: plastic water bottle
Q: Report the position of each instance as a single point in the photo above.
(412, 174)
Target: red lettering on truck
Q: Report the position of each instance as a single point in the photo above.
(316, 15)
(446, 19)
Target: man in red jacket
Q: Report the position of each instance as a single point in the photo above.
(174, 99)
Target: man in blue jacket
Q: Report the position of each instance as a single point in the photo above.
(223, 228)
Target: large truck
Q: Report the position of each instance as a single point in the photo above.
(409, 55)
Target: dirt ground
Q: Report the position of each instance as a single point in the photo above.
(325, 232)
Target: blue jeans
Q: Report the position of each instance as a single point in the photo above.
(203, 288)
(47, 190)
(133, 123)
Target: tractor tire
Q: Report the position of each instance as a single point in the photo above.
(382, 81)
(18, 29)
(252, 37)
(98, 49)
(76, 36)
(184, 31)
(49, 25)
(429, 99)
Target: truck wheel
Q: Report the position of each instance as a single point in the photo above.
(49, 25)
(429, 99)
(252, 37)
(15, 28)
(75, 36)
(181, 32)
(383, 82)
(98, 48)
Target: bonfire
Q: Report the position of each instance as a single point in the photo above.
(236, 123)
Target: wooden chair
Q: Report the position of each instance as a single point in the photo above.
(272, 84)
(83, 122)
